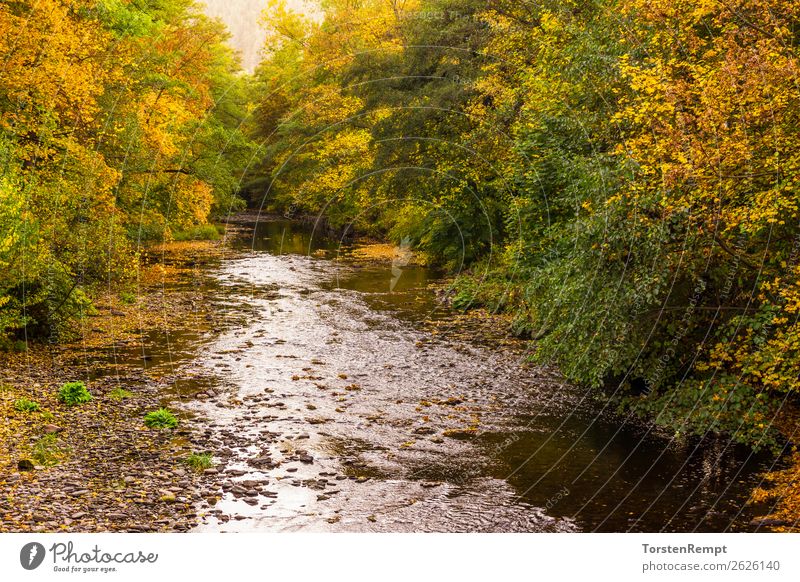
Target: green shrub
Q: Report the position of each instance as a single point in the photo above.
(73, 393)
(161, 418)
(147, 231)
(25, 405)
(127, 297)
(717, 406)
(199, 461)
(464, 299)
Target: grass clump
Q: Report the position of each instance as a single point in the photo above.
(199, 461)
(160, 419)
(119, 394)
(25, 405)
(48, 451)
(73, 393)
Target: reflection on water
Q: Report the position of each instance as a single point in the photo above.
(284, 237)
(402, 289)
(622, 479)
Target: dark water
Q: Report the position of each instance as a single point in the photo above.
(406, 293)
(379, 416)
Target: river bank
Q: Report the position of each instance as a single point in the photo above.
(96, 466)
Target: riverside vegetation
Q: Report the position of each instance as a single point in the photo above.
(620, 177)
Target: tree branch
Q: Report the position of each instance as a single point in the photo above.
(724, 246)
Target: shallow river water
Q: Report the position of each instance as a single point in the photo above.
(358, 406)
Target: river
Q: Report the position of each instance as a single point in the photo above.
(343, 397)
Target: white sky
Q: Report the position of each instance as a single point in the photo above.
(241, 17)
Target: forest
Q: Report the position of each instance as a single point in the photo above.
(619, 178)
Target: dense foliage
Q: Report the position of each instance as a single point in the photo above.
(119, 123)
(620, 174)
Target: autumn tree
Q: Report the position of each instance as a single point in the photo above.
(119, 121)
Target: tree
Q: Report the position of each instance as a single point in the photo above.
(118, 121)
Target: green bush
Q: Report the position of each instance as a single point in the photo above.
(127, 297)
(161, 418)
(51, 306)
(716, 406)
(199, 461)
(25, 405)
(73, 393)
(149, 231)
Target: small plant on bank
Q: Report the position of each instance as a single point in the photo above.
(127, 298)
(48, 451)
(73, 393)
(161, 418)
(199, 461)
(119, 394)
(25, 405)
